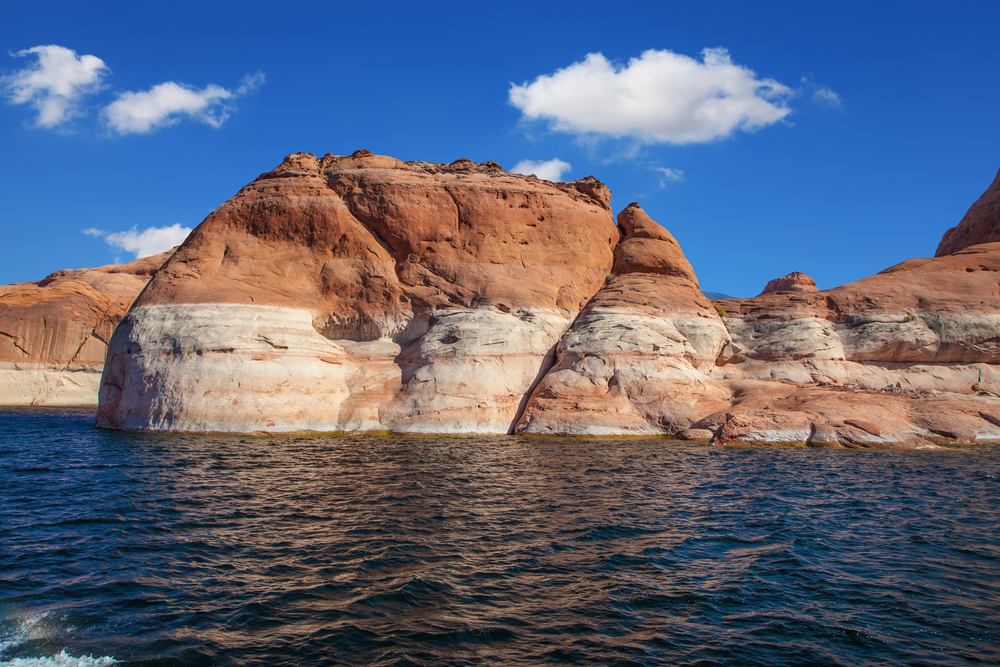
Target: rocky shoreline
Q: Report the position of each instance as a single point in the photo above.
(364, 294)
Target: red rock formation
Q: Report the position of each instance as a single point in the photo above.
(54, 332)
(362, 293)
(635, 359)
(441, 286)
(796, 281)
(981, 223)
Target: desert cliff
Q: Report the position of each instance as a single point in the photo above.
(54, 332)
(361, 293)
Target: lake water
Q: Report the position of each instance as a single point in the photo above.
(198, 550)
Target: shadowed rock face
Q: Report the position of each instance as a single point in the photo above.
(361, 293)
(796, 281)
(981, 223)
(54, 332)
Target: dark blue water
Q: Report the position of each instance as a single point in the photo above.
(183, 550)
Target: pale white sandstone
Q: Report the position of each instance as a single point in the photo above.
(623, 373)
(870, 375)
(243, 368)
(471, 370)
(944, 337)
(46, 384)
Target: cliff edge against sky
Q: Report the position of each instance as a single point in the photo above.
(360, 293)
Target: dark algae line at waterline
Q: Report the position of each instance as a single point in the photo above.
(158, 549)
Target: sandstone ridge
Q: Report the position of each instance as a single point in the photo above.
(361, 293)
(54, 332)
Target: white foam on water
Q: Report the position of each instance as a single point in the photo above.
(40, 626)
(22, 629)
(60, 659)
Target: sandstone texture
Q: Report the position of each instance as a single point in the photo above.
(796, 281)
(981, 223)
(361, 293)
(54, 332)
(637, 358)
(911, 352)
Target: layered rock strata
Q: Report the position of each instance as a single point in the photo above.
(362, 293)
(911, 352)
(54, 332)
(637, 359)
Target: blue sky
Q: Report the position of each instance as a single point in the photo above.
(849, 137)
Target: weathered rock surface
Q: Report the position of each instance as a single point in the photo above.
(636, 359)
(912, 349)
(361, 293)
(981, 223)
(386, 296)
(796, 281)
(54, 332)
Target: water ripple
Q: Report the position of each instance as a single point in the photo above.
(183, 550)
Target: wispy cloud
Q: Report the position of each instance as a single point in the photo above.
(55, 84)
(669, 174)
(659, 97)
(165, 104)
(827, 97)
(150, 241)
(550, 170)
(821, 95)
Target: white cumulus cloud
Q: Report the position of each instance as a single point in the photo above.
(659, 97)
(150, 241)
(55, 84)
(165, 103)
(550, 170)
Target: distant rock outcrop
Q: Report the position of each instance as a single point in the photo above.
(796, 281)
(981, 223)
(54, 332)
(361, 293)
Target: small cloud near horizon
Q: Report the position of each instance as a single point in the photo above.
(669, 174)
(55, 84)
(550, 170)
(659, 97)
(150, 241)
(164, 104)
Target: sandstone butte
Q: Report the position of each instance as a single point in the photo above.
(54, 332)
(364, 294)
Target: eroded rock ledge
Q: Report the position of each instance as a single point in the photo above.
(361, 293)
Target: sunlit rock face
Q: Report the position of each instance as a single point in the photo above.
(636, 359)
(364, 294)
(407, 297)
(54, 332)
(910, 351)
(796, 281)
(981, 223)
